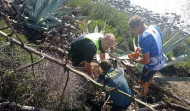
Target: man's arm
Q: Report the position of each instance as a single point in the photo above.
(88, 68)
(102, 56)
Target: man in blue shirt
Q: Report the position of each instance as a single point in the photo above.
(151, 47)
(114, 77)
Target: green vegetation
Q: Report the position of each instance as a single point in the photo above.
(99, 13)
(44, 14)
(43, 86)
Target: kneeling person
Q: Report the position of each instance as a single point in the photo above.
(114, 77)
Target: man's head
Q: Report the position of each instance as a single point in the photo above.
(107, 41)
(105, 65)
(137, 24)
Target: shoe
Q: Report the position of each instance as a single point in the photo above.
(144, 99)
(150, 99)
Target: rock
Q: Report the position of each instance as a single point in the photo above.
(151, 17)
(8, 1)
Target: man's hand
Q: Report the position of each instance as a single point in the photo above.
(88, 68)
(144, 60)
(132, 58)
(102, 56)
(138, 50)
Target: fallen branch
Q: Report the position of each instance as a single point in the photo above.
(21, 107)
(168, 93)
(104, 106)
(157, 105)
(59, 62)
(4, 28)
(57, 49)
(9, 24)
(30, 108)
(178, 107)
(24, 67)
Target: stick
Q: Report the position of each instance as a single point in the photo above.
(59, 62)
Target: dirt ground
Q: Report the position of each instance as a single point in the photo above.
(181, 89)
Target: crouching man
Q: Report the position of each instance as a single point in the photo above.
(114, 77)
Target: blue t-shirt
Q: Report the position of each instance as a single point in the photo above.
(151, 41)
(112, 78)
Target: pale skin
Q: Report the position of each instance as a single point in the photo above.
(144, 60)
(106, 44)
(88, 66)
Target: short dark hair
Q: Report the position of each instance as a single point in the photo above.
(105, 65)
(135, 21)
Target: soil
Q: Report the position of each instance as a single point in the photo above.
(181, 89)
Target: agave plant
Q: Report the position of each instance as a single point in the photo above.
(96, 29)
(172, 43)
(43, 14)
(168, 47)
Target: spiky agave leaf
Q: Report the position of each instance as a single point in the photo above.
(103, 29)
(166, 51)
(166, 44)
(138, 40)
(96, 29)
(29, 4)
(165, 57)
(88, 26)
(183, 50)
(39, 9)
(165, 33)
(37, 27)
(162, 27)
(53, 7)
(63, 11)
(177, 60)
(134, 44)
